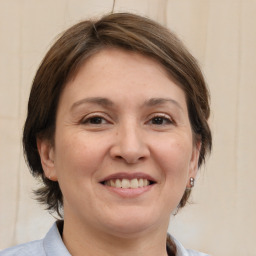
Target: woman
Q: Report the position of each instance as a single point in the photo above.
(116, 130)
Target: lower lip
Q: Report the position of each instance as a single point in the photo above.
(129, 192)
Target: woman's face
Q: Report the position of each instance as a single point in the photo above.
(123, 152)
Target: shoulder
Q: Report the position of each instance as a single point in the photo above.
(195, 253)
(31, 248)
(52, 244)
(181, 251)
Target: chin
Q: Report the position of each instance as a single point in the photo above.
(132, 222)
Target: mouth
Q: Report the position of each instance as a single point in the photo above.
(128, 181)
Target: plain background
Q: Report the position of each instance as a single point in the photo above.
(221, 34)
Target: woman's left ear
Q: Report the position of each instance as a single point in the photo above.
(194, 160)
(46, 152)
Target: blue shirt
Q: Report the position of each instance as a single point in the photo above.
(52, 245)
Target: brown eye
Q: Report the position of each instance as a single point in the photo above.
(159, 120)
(94, 120)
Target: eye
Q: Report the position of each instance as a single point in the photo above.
(94, 120)
(161, 120)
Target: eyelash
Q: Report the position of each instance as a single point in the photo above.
(164, 118)
(98, 118)
(87, 120)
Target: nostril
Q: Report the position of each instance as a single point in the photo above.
(130, 159)
(129, 153)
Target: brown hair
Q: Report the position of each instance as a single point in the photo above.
(63, 60)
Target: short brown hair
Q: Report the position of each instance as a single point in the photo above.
(63, 60)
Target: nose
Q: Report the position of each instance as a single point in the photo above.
(130, 145)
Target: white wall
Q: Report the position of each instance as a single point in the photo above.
(222, 35)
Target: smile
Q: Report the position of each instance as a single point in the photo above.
(126, 183)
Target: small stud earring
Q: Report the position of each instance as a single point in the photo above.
(192, 182)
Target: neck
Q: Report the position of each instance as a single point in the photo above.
(84, 240)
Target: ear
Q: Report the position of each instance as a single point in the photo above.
(194, 161)
(46, 152)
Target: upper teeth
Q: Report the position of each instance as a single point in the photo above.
(125, 183)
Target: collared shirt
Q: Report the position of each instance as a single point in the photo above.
(52, 245)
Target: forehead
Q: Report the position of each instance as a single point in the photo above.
(114, 72)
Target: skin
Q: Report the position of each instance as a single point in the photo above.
(121, 113)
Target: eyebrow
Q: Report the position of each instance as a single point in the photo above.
(94, 100)
(160, 101)
(108, 103)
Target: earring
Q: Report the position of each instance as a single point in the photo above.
(192, 182)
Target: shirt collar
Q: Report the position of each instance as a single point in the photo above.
(180, 250)
(53, 244)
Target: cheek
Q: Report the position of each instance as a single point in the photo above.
(174, 161)
(174, 158)
(77, 154)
